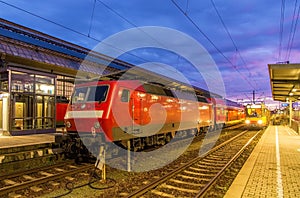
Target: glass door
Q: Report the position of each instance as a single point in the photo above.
(22, 112)
(44, 112)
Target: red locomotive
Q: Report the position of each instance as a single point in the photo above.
(141, 113)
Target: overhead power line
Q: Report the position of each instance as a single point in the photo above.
(210, 41)
(127, 20)
(92, 18)
(281, 28)
(136, 26)
(72, 30)
(45, 19)
(82, 34)
(229, 35)
(293, 30)
(187, 6)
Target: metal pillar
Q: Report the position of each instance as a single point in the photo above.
(128, 156)
(290, 114)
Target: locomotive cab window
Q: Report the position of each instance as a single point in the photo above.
(125, 95)
(90, 94)
(97, 94)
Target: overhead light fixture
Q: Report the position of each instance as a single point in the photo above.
(291, 94)
(294, 90)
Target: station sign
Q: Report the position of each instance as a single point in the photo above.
(295, 105)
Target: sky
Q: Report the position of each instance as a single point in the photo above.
(240, 37)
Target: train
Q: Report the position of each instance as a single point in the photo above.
(257, 115)
(136, 114)
(61, 107)
(227, 113)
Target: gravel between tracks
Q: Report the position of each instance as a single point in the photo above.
(127, 182)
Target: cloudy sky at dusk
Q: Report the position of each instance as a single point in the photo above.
(242, 37)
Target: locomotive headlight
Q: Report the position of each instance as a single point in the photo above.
(68, 124)
(247, 121)
(97, 125)
(259, 121)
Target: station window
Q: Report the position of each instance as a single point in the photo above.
(64, 86)
(44, 85)
(4, 81)
(22, 82)
(125, 95)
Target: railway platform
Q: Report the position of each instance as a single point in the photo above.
(25, 140)
(273, 168)
(24, 152)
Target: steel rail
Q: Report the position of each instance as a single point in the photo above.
(19, 174)
(214, 179)
(161, 180)
(37, 181)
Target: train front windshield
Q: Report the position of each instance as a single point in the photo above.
(90, 94)
(254, 112)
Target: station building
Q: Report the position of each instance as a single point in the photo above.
(37, 69)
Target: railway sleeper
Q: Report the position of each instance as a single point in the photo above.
(193, 179)
(213, 161)
(212, 164)
(161, 194)
(198, 174)
(180, 189)
(185, 184)
(207, 169)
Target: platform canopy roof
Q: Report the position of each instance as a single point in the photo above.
(285, 81)
(38, 51)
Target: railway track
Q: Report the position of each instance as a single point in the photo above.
(195, 178)
(33, 179)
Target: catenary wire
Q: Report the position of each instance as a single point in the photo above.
(229, 35)
(72, 30)
(210, 41)
(133, 24)
(80, 33)
(293, 34)
(76, 32)
(281, 28)
(92, 18)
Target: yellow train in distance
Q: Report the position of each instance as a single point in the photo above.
(257, 115)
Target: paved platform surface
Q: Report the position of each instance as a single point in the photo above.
(15, 141)
(273, 168)
(25, 140)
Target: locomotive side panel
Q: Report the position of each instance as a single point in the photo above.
(143, 114)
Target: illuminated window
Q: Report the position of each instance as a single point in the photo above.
(64, 86)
